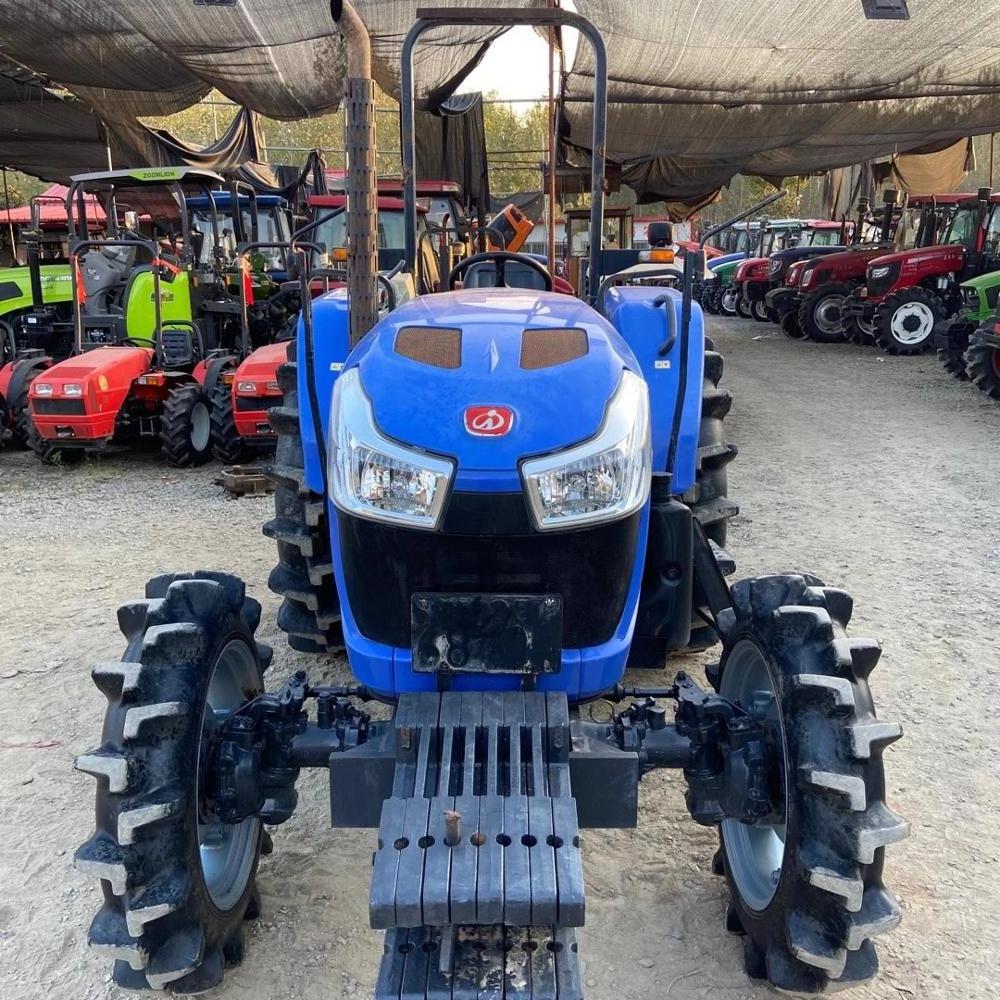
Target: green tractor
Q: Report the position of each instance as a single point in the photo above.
(953, 337)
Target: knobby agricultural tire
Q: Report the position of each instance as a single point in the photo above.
(709, 501)
(815, 934)
(952, 357)
(759, 311)
(158, 921)
(730, 296)
(20, 417)
(177, 427)
(884, 335)
(983, 365)
(790, 326)
(303, 576)
(743, 307)
(813, 302)
(228, 445)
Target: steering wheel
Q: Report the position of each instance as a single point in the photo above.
(499, 258)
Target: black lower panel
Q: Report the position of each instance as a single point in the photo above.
(590, 569)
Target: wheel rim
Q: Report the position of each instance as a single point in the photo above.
(729, 300)
(866, 326)
(201, 427)
(226, 850)
(912, 323)
(829, 314)
(755, 853)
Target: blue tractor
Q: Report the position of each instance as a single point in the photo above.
(496, 498)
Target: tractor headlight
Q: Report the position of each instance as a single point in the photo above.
(603, 479)
(374, 477)
(879, 272)
(42, 388)
(72, 389)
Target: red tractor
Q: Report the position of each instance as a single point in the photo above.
(907, 293)
(244, 396)
(157, 319)
(828, 283)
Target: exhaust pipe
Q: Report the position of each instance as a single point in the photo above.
(362, 204)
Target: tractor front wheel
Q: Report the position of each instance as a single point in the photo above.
(760, 312)
(790, 326)
(177, 881)
(821, 314)
(904, 322)
(228, 445)
(806, 880)
(49, 452)
(186, 426)
(728, 300)
(983, 365)
(743, 307)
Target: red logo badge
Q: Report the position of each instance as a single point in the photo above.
(489, 421)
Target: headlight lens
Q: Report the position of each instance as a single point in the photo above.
(603, 479)
(373, 477)
(249, 387)
(72, 389)
(878, 272)
(42, 388)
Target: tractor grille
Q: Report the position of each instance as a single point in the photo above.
(59, 407)
(384, 565)
(253, 404)
(882, 284)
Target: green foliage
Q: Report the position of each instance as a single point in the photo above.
(20, 188)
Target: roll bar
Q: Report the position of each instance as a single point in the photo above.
(554, 17)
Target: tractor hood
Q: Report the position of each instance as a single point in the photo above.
(438, 362)
(943, 258)
(793, 254)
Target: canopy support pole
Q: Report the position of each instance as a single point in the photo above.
(552, 150)
(10, 224)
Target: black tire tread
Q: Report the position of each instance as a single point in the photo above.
(175, 435)
(815, 936)
(228, 445)
(807, 308)
(156, 921)
(303, 577)
(979, 364)
(883, 317)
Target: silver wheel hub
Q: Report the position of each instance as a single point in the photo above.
(227, 850)
(912, 323)
(755, 852)
(729, 300)
(201, 427)
(829, 314)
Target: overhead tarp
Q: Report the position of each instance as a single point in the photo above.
(780, 87)
(286, 60)
(941, 170)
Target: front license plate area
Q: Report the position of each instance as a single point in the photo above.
(486, 633)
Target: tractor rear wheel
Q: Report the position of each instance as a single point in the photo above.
(728, 300)
(743, 307)
(711, 504)
(821, 314)
(303, 577)
(186, 426)
(806, 881)
(904, 321)
(177, 882)
(228, 445)
(983, 365)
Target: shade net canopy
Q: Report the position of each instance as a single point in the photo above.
(703, 89)
(286, 60)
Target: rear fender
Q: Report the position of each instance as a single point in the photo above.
(209, 371)
(646, 328)
(331, 344)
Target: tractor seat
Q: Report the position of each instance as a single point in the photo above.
(178, 348)
(515, 276)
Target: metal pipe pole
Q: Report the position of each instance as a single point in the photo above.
(10, 225)
(362, 220)
(552, 150)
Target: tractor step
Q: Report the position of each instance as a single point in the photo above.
(476, 963)
(481, 827)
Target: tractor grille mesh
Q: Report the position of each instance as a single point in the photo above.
(59, 407)
(545, 348)
(437, 346)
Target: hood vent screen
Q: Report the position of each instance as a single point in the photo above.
(431, 345)
(544, 348)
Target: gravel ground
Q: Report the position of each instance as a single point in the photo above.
(879, 474)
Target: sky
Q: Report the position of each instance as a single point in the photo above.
(516, 66)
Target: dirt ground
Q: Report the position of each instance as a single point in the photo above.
(879, 474)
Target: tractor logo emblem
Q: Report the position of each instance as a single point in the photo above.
(489, 421)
